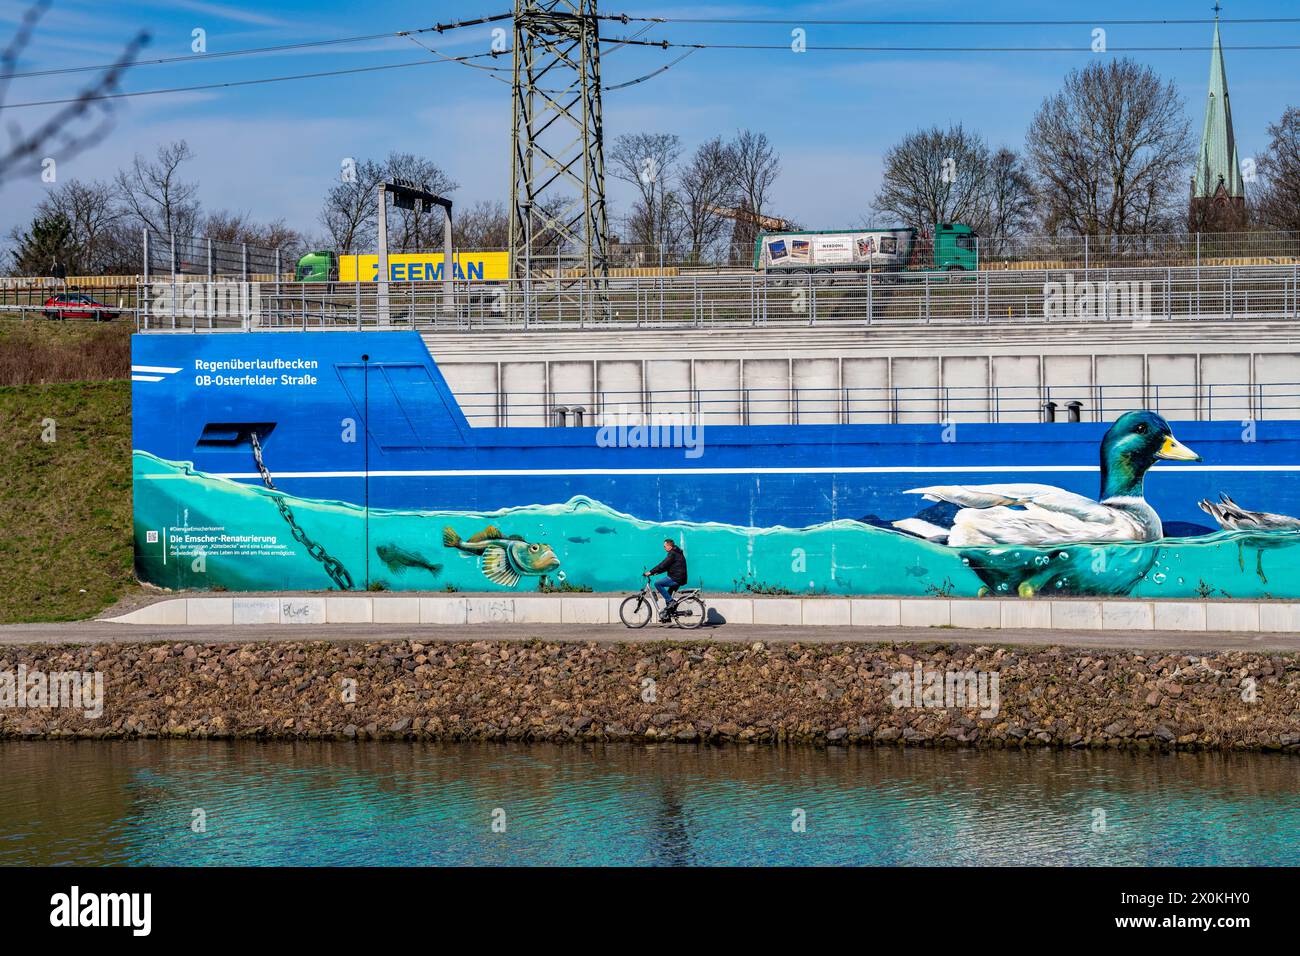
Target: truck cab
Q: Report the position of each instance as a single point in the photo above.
(956, 247)
(322, 266)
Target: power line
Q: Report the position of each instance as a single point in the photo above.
(234, 83)
(162, 61)
(785, 47)
(449, 59)
(252, 51)
(805, 21)
(653, 73)
(493, 70)
(729, 21)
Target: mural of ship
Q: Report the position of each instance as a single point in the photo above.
(312, 460)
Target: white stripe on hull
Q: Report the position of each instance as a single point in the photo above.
(846, 470)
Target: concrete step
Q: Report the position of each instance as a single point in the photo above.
(866, 612)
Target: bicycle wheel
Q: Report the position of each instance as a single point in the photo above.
(690, 612)
(635, 611)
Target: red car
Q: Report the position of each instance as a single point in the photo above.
(76, 305)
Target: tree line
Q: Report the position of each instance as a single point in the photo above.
(94, 227)
(1107, 155)
(713, 199)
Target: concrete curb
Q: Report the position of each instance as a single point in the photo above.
(1086, 615)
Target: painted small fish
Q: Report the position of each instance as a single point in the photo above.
(604, 530)
(399, 559)
(581, 540)
(916, 571)
(503, 559)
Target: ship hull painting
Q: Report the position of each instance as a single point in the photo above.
(370, 456)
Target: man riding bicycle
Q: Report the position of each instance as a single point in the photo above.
(674, 567)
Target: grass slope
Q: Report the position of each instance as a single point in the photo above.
(35, 351)
(65, 506)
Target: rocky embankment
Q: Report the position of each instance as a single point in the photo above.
(833, 694)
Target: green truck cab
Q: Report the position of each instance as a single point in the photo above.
(956, 247)
(322, 266)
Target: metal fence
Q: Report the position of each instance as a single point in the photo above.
(1136, 296)
(1157, 249)
(1174, 249)
(168, 255)
(843, 405)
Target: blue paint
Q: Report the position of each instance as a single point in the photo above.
(379, 409)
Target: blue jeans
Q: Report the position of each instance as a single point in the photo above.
(666, 587)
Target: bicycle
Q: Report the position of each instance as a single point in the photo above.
(686, 609)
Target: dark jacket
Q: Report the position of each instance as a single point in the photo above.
(673, 564)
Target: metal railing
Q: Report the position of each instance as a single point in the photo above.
(1157, 249)
(1133, 296)
(846, 405)
(164, 254)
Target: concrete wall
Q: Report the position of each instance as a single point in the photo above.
(1100, 615)
(824, 377)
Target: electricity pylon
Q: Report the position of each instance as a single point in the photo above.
(557, 190)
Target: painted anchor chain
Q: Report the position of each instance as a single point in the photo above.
(333, 566)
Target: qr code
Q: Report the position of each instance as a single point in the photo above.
(151, 537)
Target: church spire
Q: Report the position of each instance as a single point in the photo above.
(1217, 166)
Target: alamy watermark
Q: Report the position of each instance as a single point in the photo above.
(1094, 299)
(74, 908)
(217, 299)
(626, 428)
(941, 690)
(69, 690)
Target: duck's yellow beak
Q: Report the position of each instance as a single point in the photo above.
(1175, 450)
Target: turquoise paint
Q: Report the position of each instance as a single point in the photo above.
(606, 550)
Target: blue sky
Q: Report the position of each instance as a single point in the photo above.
(273, 150)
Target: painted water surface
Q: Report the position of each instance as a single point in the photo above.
(133, 803)
(194, 530)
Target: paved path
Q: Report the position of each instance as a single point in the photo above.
(100, 632)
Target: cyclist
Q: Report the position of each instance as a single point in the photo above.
(674, 566)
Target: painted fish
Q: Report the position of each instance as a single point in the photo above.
(916, 571)
(604, 530)
(581, 540)
(399, 559)
(504, 559)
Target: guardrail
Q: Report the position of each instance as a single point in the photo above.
(1017, 252)
(846, 405)
(1138, 296)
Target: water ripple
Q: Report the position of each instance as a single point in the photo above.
(342, 804)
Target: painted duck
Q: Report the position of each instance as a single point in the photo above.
(1016, 532)
(1232, 517)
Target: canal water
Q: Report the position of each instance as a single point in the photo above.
(325, 803)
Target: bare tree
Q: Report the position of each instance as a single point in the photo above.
(154, 195)
(1277, 200)
(754, 167)
(239, 227)
(937, 175)
(66, 131)
(95, 218)
(705, 190)
(1108, 152)
(348, 213)
(415, 230)
(648, 162)
(1011, 200)
(482, 226)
